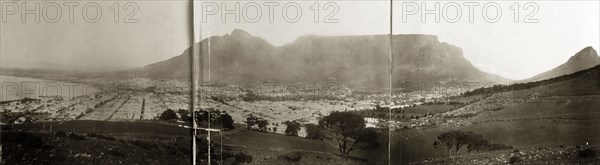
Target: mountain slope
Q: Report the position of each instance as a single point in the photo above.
(355, 60)
(584, 59)
(582, 82)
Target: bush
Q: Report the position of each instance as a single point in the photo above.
(242, 158)
(292, 156)
(100, 136)
(292, 128)
(227, 121)
(115, 152)
(514, 159)
(110, 138)
(168, 115)
(91, 134)
(61, 134)
(143, 144)
(496, 146)
(75, 136)
(586, 153)
(23, 138)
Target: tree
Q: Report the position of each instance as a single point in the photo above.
(462, 139)
(446, 139)
(250, 121)
(292, 128)
(262, 124)
(453, 139)
(348, 130)
(477, 143)
(457, 139)
(378, 107)
(168, 115)
(314, 132)
(227, 121)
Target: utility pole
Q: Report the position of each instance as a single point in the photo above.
(391, 80)
(194, 87)
(1, 124)
(208, 130)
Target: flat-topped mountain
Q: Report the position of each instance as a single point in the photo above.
(354, 60)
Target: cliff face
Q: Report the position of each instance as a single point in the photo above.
(354, 60)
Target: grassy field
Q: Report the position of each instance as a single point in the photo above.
(544, 122)
(555, 107)
(87, 126)
(28, 147)
(417, 144)
(581, 154)
(265, 148)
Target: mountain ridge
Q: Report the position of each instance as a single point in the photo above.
(356, 60)
(584, 59)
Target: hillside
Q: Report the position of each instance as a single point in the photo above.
(579, 83)
(355, 60)
(584, 59)
(537, 118)
(555, 155)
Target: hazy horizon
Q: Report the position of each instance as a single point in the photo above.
(505, 48)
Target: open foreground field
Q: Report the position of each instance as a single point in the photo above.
(147, 143)
(76, 142)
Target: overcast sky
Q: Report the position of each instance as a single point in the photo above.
(162, 32)
(513, 50)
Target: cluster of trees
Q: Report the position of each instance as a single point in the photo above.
(261, 123)
(214, 116)
(455, 140)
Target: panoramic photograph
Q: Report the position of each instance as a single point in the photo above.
(300, 82)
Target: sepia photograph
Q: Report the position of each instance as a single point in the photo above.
(346, 82)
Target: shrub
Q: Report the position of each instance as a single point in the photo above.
(496, 146)
(75, 136)
(227, 121)
(110, 138)
(586, 153)
(242, 158)
(292, 128)
(115, 152)
(91, 134)
(292, 156)
(168, 115)
(514, 159)
(61, 134)
(100, 136)
(143, 144)
(184, 149)
(23, 138)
